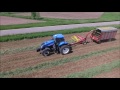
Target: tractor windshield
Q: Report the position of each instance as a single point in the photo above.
(58, 40)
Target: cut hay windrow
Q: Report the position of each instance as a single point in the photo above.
(72, 67)
(113, 73)
(53, 63)
(12, 51)
(96, 70)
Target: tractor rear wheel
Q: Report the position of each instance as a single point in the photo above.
(46, 52)
(65, 49)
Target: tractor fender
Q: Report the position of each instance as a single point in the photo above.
(62, 43)
(46, 48)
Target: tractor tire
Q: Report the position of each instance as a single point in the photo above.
(65, 49)
(46, 52)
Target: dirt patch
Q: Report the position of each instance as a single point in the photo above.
(67, 15)
(115, 73)
(4, 20)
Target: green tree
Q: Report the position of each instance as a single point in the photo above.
(35, 15)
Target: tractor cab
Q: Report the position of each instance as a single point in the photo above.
(58, 38)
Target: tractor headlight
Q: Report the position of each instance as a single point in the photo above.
(41, 46)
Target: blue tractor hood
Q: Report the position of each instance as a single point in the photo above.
(48, 43)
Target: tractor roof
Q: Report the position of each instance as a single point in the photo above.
(58, 36)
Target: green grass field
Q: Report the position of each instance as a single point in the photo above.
(107, 16)
(44, 34)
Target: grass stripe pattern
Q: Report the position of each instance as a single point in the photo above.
(44, 34)
(53, 63)
(89, 73)
(16, 50)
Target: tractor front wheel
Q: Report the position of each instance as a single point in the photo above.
(46, 52)
(65, 49)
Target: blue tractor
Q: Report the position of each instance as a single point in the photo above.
(56, 45)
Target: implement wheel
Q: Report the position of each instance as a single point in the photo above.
(84, 42)
(99, 42)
